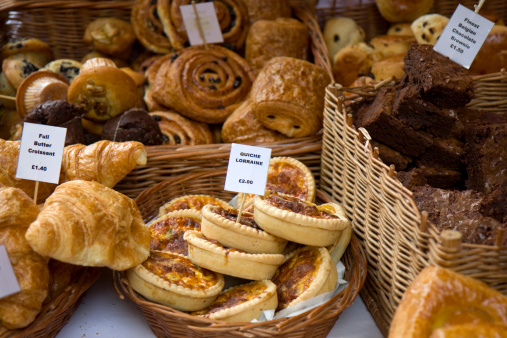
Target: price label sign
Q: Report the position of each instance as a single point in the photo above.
(207, 20)
(40, 153)
(8, 282)
(247, 171)
(463, 36)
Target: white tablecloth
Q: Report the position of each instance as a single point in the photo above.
(103, 314)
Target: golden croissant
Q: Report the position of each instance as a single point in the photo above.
(17, 211)
(87, 223)
(105, 162)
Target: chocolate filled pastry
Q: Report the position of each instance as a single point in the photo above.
(281, 37)
(282, 103)
(204, 84)
(133, 125)
(148, 28)
(232, 17)
(178, 130)
(243, 127)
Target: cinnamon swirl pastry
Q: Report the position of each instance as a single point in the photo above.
(232, 17)
(148, 28)
(204, 84)
(178, 130)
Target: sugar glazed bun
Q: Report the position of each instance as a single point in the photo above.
(429, 27)
(403, 10)
(280, 102)
(340, 32)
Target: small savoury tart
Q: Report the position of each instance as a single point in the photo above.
(167, 231)
(307, 272)
(173, 280)
(242, 303)
(220, 224)
(337, 249)
(210, 254)
(299, 221)
(196, 202)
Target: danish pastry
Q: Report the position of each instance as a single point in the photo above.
(280, 102)
(178, 130)
(147, 27)
(173, 280)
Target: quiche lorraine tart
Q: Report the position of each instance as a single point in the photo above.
(167, 231)
(307, 272)
(191, 202)
(220, 224)
(211, 255)
(289, 176)
(242, 303)
(173, 280)
(299, 221)
(337, 249)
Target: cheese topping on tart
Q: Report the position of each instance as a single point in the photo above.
(179, 270)
(232, 215)
(167, 233)
(298, 206)
(295, 276)
(234, 296)
(196, 202)
(288, 179)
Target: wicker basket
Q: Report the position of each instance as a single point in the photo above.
(167, 322)
(398, 240)
(56, 313)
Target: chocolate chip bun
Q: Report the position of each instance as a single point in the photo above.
(133, 125)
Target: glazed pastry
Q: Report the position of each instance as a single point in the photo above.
(243, 127)
(202, 84)
(340, 32)
(307, 272)
(471, 330)
(31, 49)
(151, 74)
(281, 37)
(105, 161)
(267, 9)
(178, 130)
(196, 202)
(281, 103)
(167, 231)
(103, 92)
(232, 17)
(403, 10)
(173, 280)
(429, 27)
(230, 261)
(87, 223)
(17, 211)
(352, 62)
(242, 303)
(440, 300)
(9, 153)
(16, 70)
(68, 68)
(148, 28)
(299, 221)
(221, 225)
(133, 125)
(110, 36)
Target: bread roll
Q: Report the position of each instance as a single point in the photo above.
(352, 62)
(402, 28)
(492, 56)
(388, 67)
(111, 36)
(340, 32)
(267, 9)
(403, 10)
(388, 45)
(429, 27)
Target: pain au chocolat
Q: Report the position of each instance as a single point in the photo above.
(299, 221)
(173, 280)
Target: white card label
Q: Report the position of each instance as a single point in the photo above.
(248, 169)
(208, 20)
(463, 36)
(8, 282)
(40, 153)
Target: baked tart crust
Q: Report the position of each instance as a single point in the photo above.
(246, 235)
(196, 202)
(321, 229)
(337, 249)
(242, 303)
(320, 276)
(232, 262)
(173, 280)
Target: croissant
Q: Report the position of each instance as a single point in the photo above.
(9, 152)
(105, 162)
(87, 223)
(17, 211)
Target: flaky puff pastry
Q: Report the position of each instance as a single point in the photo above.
(106, 162)
(17, 211)
(87, 223)
(440, 300)
(288, 96)
(9, 152)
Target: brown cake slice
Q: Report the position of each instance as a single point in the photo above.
(495, 204)
(444, 152)
(390, 156)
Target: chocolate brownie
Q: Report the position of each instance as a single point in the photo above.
(390, 156)
(419, 114)
(495, 203)
(411, 178)
(441, 81)
(133, 125)
(486, 156)
(458, 210)
(443, 178)
(445, 153)
(379, 121)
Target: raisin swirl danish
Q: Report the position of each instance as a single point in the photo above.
(148, 28)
